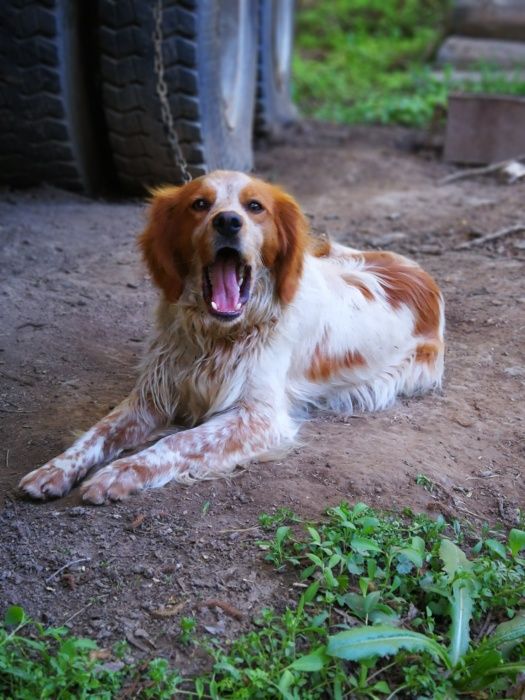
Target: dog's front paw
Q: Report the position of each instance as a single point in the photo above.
(115, 482)
(50, 481)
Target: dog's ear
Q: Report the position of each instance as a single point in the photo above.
(158, 242)
(292, 237)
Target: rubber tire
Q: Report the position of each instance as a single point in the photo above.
(47, 125)
(274, 107)
(192, 51)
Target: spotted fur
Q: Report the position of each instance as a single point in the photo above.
(325, 326)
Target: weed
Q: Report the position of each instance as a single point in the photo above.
(426, 483)
(49, 663)
(392, 604)
(188, 625)
(281, 516)
(365, 61)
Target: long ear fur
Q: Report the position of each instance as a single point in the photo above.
(157, 245)
(292, 232)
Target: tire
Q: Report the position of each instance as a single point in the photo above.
(47, 121)
(274, 107)
(209, 100)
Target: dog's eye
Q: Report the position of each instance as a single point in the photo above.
(255, 206)
(200, 204)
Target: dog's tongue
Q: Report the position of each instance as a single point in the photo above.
(224, 285)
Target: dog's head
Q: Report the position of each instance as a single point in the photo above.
(221, 234)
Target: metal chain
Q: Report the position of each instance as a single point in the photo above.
(162, 93)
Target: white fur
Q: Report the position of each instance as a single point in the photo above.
(239, 386)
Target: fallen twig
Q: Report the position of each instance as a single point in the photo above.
(137, 521)
(78, 612)
(484, 627)
(225, 607)
(169, 610)
(66, 566)
(242, 529)
(517, 228)
(14, 378)
(477, 172)
(469, 512)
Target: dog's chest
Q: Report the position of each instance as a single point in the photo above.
(209, 383)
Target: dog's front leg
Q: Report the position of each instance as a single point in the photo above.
(127, 426)
(211, 449)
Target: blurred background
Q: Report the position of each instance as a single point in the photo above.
(396, 61)
(116, 96)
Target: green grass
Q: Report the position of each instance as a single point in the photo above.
(368, 61)
(386, 605)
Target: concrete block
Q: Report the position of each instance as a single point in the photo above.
(465, 53)
(484, 128)
(495, 19)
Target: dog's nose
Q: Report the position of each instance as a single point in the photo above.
(227, 223)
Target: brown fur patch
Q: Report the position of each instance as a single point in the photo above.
(407, 284)
(354, 281)
(285, 235)
(324, 365)
(319, 247)
(166, 242)
(427, 353)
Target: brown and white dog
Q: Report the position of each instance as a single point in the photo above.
(256, 320)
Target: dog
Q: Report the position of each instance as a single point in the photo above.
(257, 320)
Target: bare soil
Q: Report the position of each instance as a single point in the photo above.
(76, 304)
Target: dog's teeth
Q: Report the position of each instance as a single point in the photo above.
(214, 306)
(238, 306)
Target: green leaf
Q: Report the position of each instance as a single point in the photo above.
(477, 663)
(306, 573)
(315, 559)
(311, 591)
(453, 558)
(384, 615)
(330, 579)
(334, 560)
(412, 555)
(368, 524)
(359, 508)
(355, 602)
(497, 547)
(314, 661)
(281, 533)
(510, 632)
(379, 640)
(516, 541)
(381, 687)
(314, 535)
(461, 613)
(512, 668)
(285, 682)
(14, 616)
(362, 545)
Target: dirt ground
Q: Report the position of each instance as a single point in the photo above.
(76, 304)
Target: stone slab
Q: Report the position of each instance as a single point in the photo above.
(496, 19)
(464, 53)
(484, 128)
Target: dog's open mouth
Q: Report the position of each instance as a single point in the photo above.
(226, 284)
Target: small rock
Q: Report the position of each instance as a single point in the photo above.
(112, 666)
(219, 628)
(515, 371)
(430, 250)
(387, 238)
(77, 512)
